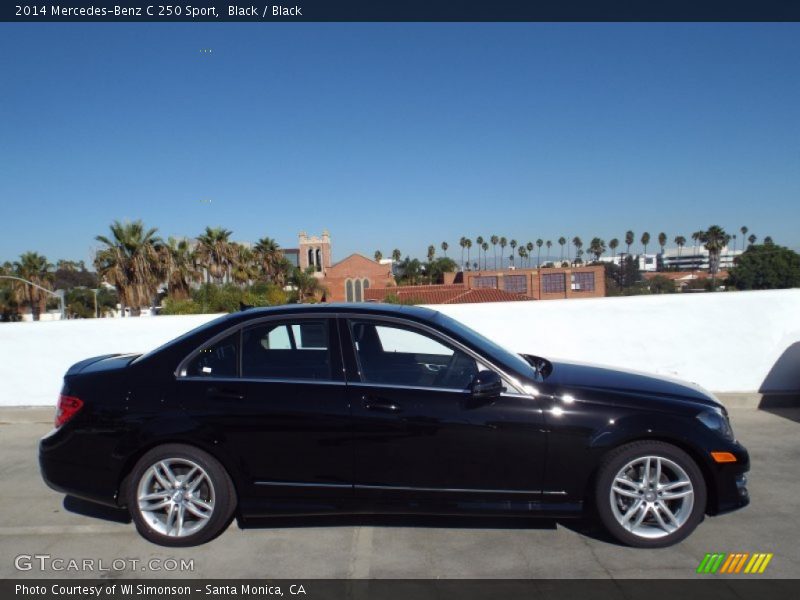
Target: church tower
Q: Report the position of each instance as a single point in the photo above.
(315, 251)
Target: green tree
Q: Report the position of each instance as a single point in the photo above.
(613, 244)
(562, 241)
(468, 245)
(714, 240)
(396, 255)
(214, 252)
(597, 247)
(479, 244)
(485, 247)
(431, 253)
(378, 256)
(680, 242)
(744, 231)
(270, 259)
(444, 247)
(503, 244)
(513, 245)
(131, 262)
(494, 239)
(33, 267)
(765, 267)
(645, 241)
(661, 284)
(308, 286)
(539, 244)
(179, 264)
(752, 239)
(662, 241)
(578, 243)
(629, 237)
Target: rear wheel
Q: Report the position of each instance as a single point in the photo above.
(180, 496)
(650, 494)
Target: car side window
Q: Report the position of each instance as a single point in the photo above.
(287, 350)
(219, 359)
(398, 355)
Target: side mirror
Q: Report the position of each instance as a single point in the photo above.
(487, 385)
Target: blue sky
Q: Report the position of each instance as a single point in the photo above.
(397, 135)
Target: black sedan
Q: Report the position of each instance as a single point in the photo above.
(359, 408)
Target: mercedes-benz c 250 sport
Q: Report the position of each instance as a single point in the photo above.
(357, 408)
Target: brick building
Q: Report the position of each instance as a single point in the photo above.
(502, 286)
(349, 279)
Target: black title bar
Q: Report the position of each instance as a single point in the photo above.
(405, 10)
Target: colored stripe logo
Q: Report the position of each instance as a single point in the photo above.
(735, 562)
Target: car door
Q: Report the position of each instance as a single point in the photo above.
(285, 415)
(419, 435)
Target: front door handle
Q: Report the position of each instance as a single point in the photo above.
(380, 405)
(215, 392)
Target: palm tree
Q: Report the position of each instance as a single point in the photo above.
(752, 239)
(597, 247)
(444, 247)
(431, 253)
(468, 244)
(179, 263)
(244, 267)
(562, 240)
(662, 241)
(463, 243)
(539, 243)
(744, 231)
(578, 243)
(130, 261)
(680, 241)
(378, 256)
(549, 245)
(33, 267)
(485, 246)
(215, 252)
(613, 244)
(529, 249)
(396, 255)
(494, 240)
(479, 243)
(513, 244)
(308, 286)
(503, 244)
(645, 241)
(270, 258)
(714, 240)
(628, 240)
(523, 253)
(768, 240)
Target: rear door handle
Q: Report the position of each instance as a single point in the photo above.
(380, 405)
(215, 392)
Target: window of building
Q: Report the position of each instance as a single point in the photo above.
(516, 283)
(484, 281)
(554, 283)
(216, 360)
(359, 291)
(583, 282)
(348, 290)
(287, 350)
(396, 355)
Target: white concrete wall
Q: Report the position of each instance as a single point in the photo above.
(727, 342)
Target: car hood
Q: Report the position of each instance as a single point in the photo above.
(586, 376)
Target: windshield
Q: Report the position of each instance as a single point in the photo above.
(495, 351)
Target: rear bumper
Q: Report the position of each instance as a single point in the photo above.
(73, 477)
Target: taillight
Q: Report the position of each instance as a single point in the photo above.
(68, 407)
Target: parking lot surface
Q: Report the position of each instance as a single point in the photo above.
(36, 522)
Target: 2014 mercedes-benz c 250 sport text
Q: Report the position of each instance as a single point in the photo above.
(358, 408)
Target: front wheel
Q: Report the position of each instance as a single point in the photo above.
(650, 494)
(180, 496)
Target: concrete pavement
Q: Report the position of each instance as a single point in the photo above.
(34, 522)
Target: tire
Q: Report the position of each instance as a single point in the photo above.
(179, 495)
(643, 511)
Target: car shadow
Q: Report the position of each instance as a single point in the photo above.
(86, 508)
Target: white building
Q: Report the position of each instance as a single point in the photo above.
(647, 262)
(691, 258)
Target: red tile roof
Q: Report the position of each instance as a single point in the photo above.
(442, 294)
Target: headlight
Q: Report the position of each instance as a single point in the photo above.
(715, 419)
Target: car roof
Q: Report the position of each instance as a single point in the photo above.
(378, 309)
